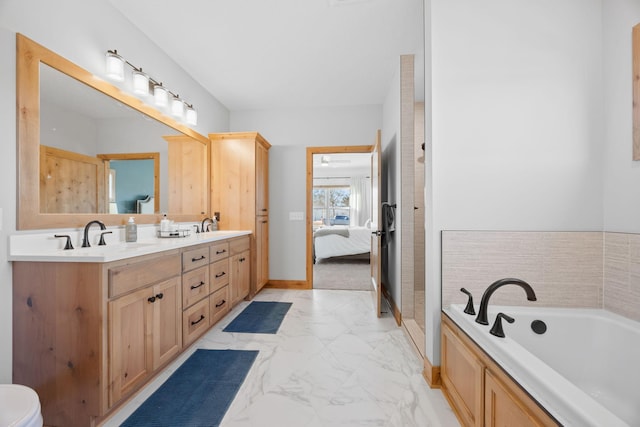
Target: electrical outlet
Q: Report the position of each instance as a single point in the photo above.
(296, 216)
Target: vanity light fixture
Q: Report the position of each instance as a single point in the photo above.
(141, 83)
(177, 106)
(115, 65)
(191, 115)
(160, 95)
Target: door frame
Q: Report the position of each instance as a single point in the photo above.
(310, 152)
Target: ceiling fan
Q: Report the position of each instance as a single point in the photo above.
(327, 160)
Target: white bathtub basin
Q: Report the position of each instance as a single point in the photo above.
(583, 369)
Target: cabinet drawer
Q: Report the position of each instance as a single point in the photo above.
(125, 278)
(195, 286)
(219, 274)
(219, 251)
(195, 258)
(239, 245)
(219, 304)
(195, 320)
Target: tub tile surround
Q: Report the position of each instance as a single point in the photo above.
(566, 269)
(332, 363)
(622, 274)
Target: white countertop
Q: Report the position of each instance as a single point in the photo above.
(19, 251)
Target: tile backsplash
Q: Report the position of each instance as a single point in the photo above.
(566, 269)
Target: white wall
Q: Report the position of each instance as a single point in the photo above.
(621, 174)
(290, 131)
(81, 31)
(517, 121)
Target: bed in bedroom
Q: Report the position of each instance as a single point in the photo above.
(331, 242)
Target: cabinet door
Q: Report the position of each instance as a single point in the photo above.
(130, 359)
(462, 377)
(262, 180)
(166, 327)
(262, 252)
(503, 408)
(240, 276)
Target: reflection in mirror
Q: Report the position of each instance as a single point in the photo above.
(81, 120)
(66, 118)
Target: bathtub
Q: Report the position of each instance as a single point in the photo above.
(584, 370)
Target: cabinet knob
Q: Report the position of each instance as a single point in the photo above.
(160, 295)
(151, 299)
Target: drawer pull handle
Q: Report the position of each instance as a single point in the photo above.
(198, 259)
(221, 252)
(160, 295)
(220, 275)
(221, 304)
(151, 299)
(198, 321)
(196, 287)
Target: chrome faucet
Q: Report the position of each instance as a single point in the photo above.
(85, 239)
(484, 302)
(204, 230)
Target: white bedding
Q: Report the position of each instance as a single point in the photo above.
(332, 245)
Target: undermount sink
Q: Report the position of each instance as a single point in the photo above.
(117, 247)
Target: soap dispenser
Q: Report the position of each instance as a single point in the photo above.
(131, 231)
(165, 224)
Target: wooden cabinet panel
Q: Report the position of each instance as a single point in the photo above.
(133, 275)
(195, 321)
(166, 325)
(262, 252)
(219, 304)
(220, 274)
(262, 179)
(195, 286)
(240, 192)
(462, 376)
(130, 361)
(219, 251)
(195, 258)
(240, 280)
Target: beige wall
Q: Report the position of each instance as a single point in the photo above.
(566, 269)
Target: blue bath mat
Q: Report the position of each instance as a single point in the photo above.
(198, 393)
(259, 317)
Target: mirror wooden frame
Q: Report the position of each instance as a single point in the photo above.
(29, 56)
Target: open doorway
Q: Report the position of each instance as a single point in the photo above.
(339, 217)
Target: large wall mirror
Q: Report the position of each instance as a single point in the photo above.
(87, 150)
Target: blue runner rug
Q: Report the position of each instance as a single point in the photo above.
(198, 393)
(259, 317)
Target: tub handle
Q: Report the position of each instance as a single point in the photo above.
(469, 308)
(496, 329)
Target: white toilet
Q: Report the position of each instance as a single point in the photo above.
(19, 406)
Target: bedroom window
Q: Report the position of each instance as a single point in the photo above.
(330, 202)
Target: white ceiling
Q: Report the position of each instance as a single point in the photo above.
(259, 54)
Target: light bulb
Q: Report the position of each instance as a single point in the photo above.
(192, 115)
(140, 82)
(114, 65)
(160, 96)
(177, 106)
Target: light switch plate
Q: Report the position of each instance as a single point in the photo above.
(296, 216)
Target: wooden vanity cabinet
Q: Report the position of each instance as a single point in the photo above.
(240, 269)
(240, 193)
(478, 390)
(88, 335)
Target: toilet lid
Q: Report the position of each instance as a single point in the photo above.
(18, 405)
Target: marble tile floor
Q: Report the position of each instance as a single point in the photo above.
(332, 363)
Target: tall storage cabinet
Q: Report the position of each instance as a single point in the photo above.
(240, 193)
